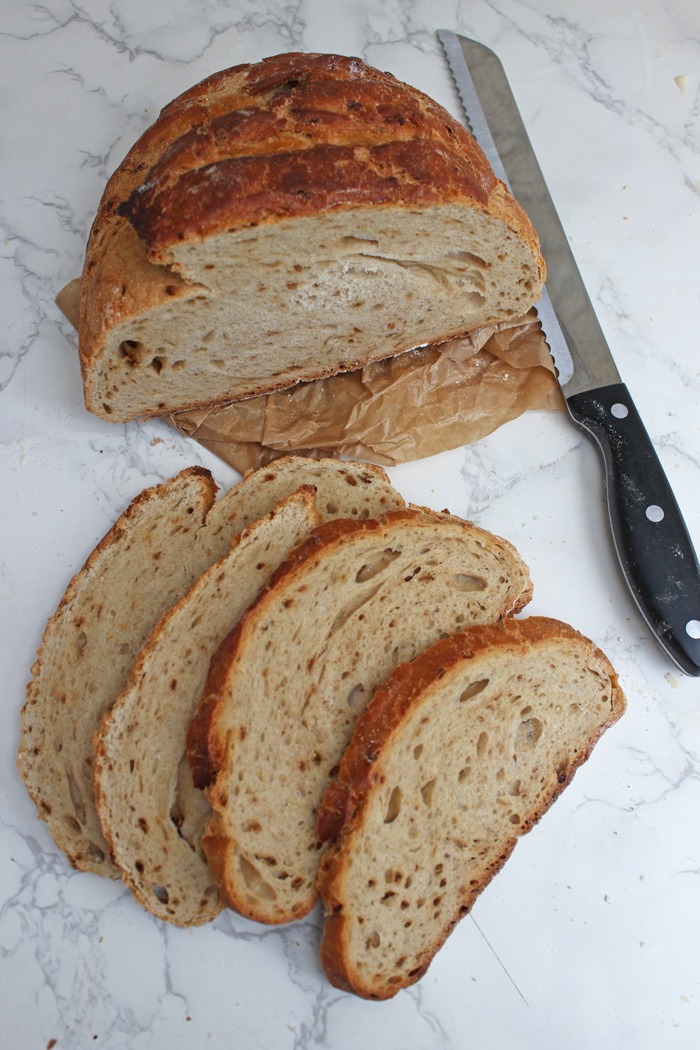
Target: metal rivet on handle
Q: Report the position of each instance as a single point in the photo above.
(654, 513)
(619, 410)
(692, 628)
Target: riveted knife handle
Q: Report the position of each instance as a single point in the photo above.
(651, 538)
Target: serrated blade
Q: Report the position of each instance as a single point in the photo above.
(572, 330)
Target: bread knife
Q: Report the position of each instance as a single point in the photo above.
(651, 539)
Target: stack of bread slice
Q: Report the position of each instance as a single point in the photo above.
(303, 688)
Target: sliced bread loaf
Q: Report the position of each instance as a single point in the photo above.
(148, 560)
(151, 814)
(287, 686)
(457, 754)
(286, 220)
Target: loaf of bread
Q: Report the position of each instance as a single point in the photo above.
(457, 754)
(287, 686)
(156, 550)
(287, 220)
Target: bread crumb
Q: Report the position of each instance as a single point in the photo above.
(672, 680)
(682, 82)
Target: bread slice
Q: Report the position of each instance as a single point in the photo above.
(142, 566)
(313, 216)
(344, 489)
(287, 686)
(151, 814)
(147, 561)
(457, 754)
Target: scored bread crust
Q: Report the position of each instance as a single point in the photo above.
(412, 696)
(279, 144)
(311, 691)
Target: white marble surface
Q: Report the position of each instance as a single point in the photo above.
(590, 936)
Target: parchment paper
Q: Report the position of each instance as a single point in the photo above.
(421, 402)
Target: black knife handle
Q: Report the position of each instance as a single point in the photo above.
(651, 538)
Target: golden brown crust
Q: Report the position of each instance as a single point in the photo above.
(239, 192)
(312, 110)
(312, 113)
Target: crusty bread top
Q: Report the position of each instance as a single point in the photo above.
(317, 131)
(457, 754)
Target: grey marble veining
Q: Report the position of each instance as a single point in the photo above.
(589, 936)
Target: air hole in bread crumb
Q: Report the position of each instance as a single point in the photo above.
(161, 894)
(463, 582)
(157, 364)
(75, 795)
(514, 818)
(373, 941)
(379, 564)
(132, 351)
(417, 750)
(482, 743)
(356, 695)
(393, 807)
(254, 880)
(529, 732)
(473, 689)
(427, 792)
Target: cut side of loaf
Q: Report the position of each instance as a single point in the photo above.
(140, 568)
(287, 686)
(165, 540)
(457, 754)
(316, 215)
(151, 813)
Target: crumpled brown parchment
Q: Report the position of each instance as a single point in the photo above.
(404, 408)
